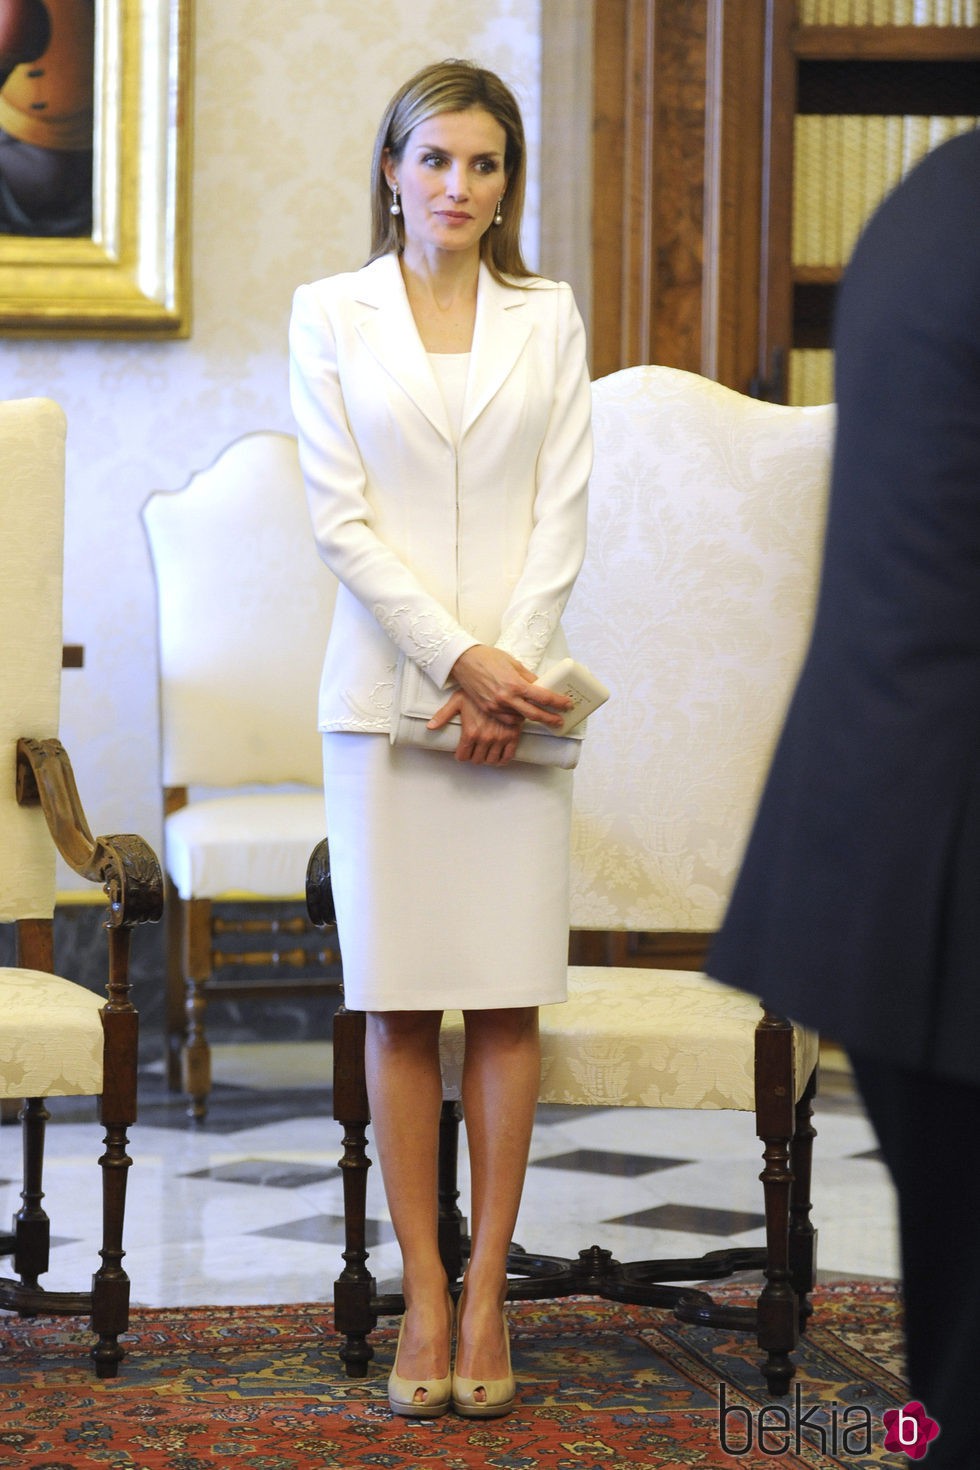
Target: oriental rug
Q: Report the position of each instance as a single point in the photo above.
(601, 1386)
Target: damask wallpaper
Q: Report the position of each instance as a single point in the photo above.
(286, 101)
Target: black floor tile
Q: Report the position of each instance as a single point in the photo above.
(598, 1161)
(326, 1230)
(272, 1173)
(692, 1220)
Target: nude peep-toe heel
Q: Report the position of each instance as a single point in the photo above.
(499, 1393)
(402, 1391)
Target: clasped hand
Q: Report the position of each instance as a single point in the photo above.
(492, 700)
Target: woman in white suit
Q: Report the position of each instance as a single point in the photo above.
(443, 406)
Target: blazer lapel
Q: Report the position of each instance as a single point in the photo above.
(388, 330)
(502, 328)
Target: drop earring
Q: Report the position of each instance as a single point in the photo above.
(395, 208)
(498, 218)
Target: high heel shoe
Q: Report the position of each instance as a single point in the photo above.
(402, 1391)
(498, 1393)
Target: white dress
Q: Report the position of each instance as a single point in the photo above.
(450, 879)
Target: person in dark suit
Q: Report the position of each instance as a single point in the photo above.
(857, 906)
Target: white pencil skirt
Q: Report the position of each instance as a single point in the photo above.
(450, 880)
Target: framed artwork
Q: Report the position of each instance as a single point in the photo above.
(94, 168)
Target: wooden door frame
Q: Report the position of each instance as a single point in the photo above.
(679, 127)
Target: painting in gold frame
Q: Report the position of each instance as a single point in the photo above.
(129, 277)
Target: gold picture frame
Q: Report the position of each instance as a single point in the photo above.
(130, 278)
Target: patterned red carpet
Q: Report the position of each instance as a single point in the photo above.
(601, 1387)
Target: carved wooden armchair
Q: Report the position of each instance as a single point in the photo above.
(706, 512)
(57, 1038)
(244, 607)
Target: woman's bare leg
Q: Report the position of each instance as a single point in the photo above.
(405, 1092)
(501, 1078)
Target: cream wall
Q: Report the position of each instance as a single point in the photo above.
(286, 100)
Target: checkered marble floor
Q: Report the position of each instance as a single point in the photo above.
(248, 1206)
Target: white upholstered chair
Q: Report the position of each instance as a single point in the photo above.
(57, 1037)
(694, 605)
(244, 608)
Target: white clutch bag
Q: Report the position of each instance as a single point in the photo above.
(416, 699)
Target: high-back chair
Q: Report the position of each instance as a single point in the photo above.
(244, 607)
(57, 1037)
(694, 604)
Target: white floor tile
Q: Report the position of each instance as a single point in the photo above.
(193, 1240)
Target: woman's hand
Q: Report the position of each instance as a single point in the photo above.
(502, 688)
(483, 740)
(492, 702)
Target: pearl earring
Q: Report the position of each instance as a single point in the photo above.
(395, 207)
(498, 218)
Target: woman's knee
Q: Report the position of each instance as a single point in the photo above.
(507, 1026)
(403, 1028)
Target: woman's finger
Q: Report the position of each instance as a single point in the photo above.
(445, 712)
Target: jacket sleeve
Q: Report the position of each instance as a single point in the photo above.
(342, 520)
(556, 547)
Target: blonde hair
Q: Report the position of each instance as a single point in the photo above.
(452, 86)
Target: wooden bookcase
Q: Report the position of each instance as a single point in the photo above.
(879, 71)
(695, 109)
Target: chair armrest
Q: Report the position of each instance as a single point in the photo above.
(319, 894)
(125, 865)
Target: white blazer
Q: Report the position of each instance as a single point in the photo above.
(439, 544)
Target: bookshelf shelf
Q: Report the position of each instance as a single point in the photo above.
(887, 43)
(816, 275)
(849, 110)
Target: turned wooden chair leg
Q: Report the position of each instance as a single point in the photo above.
(196, 1057)
(174, 1022)
(452, 1225)
(778, 1313)
(117, 1110)
(802, 1235)
(32, 1229)
(354, 1288)
(110, 1284)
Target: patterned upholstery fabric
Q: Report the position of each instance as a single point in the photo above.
(694, 606)
(50, 1036)
(50, 1031)
(32, 497)
(644, 1038)
(244, 605)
